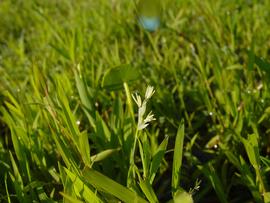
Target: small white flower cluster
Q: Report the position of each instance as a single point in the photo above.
(144, 122)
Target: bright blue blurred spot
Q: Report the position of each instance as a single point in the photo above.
(149, 23)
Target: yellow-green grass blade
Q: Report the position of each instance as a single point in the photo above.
(148, 191)
(81, 189)
(177, 156)
(102, 182)
(157, 159)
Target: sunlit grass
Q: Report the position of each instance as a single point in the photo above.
(74, 128)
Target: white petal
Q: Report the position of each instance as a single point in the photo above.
(137, 98)
(142, 110)
(149, 92)
(149, 118)
(142, 126)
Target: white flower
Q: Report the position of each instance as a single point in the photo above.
(150, 117)
(141, 126)
(137, 98)
(149, 92)
(142, 110)
(144, 122)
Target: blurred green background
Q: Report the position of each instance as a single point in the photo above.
(68, 70)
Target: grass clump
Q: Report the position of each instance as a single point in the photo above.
(74, 128)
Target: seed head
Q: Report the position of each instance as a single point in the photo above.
(144, 122)
(149, 92)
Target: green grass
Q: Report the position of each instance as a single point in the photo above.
(71, 131)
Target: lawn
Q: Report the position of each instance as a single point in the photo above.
(96, 108)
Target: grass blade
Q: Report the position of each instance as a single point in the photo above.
(81, 189)
(157, 159)
(110, 186)
(177, 156)
(148, 191)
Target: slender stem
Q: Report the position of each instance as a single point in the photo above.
(133, 150)
(129, 101)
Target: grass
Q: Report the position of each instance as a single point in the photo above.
(72, 132)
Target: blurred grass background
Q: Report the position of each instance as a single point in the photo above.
(208, 62)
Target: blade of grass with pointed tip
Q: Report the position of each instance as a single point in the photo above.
(71, 199)
(177, 156)
(251, 146)
(110, 186)
(85, 148)
(18, 189)
(145, 156)
(6, 188)
(16, 171)
(157, 159)
(103, 155)
(67, 183)
(15, 139)
(148, 191)
(102, 129)
(82, 91)
(249, 179)
(129, 102)
(252, 150)
(214, 179)
(67, 115)
(81, 189)
(65, 153)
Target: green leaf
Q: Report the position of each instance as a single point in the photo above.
(16, 172)
(177, 156)
(63, 150)
(115, 77)
(110, 186)
(148, 191)
(181, 196)
(15, 138)
(6, 188)
(85, 147)
(67, 183)
(266, 197)
(67, 114)
(81, 189)
(249, 180)
(262, 64)
(103, 131)
(43, 196)
(212, 142)
(251, 146)
(82, 89)
(211, 174)
(18, 188)
(252, 149)
(103, 155)
(71, 199)
(155, 164)
(129, 101)
(144, 149)
(63, 52)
